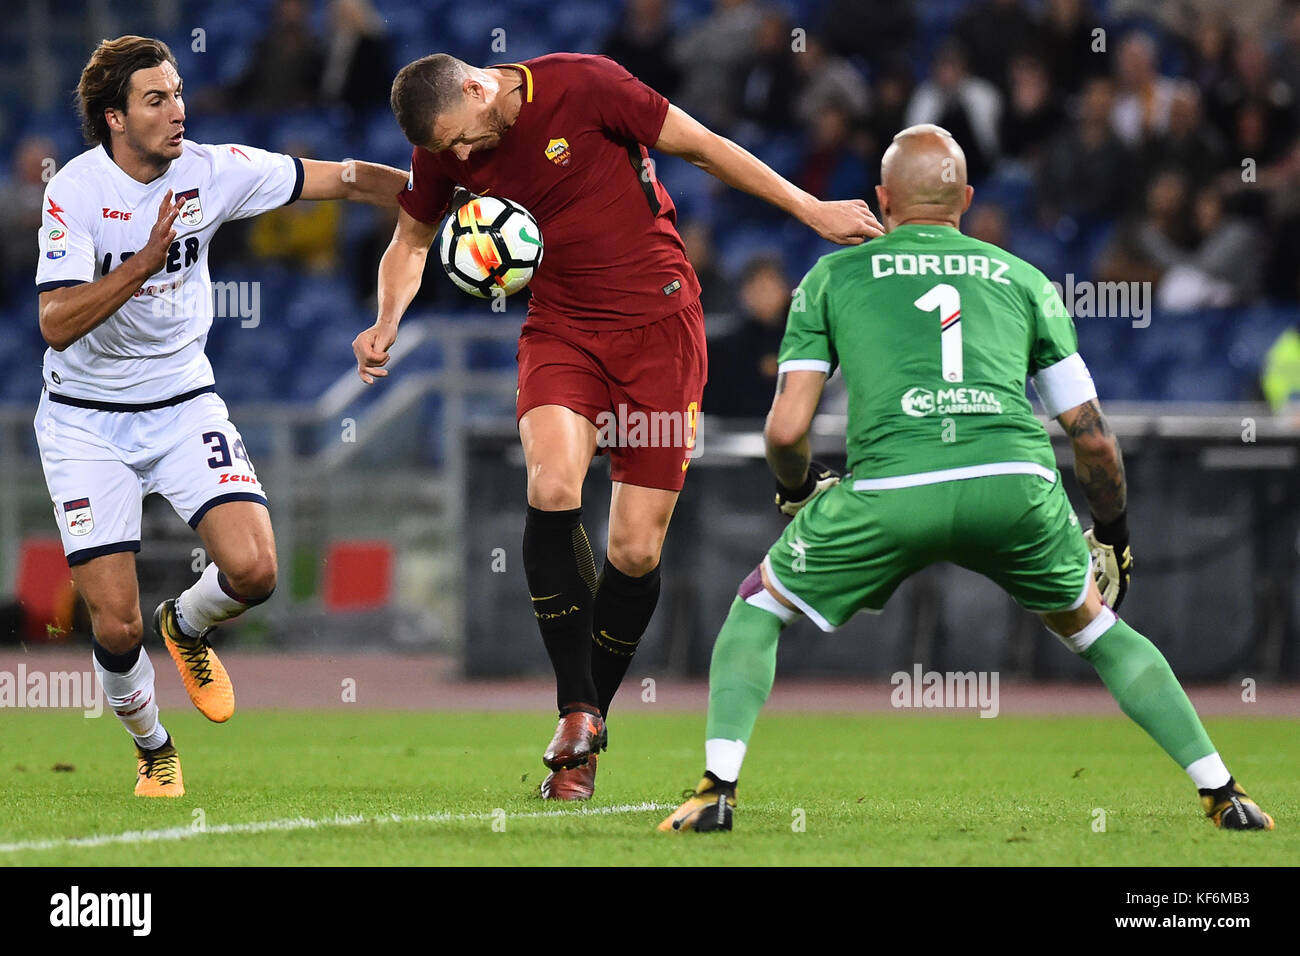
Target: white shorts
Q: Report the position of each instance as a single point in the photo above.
(99, 466)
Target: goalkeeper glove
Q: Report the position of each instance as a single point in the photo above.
(789, 501)
(1112, 561)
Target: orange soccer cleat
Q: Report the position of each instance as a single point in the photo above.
(159, 772)
(205, 680)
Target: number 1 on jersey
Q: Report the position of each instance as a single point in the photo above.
(948, 301)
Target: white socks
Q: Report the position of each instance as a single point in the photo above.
(206, 603)
(723, 758)
(131, 696)
(1208, 773)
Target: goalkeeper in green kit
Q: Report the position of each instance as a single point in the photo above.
(935, 333)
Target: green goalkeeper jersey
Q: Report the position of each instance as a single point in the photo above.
(934, 333)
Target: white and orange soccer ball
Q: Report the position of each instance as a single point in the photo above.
(491, 246)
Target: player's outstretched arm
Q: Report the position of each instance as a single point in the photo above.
(353, 180)
(400, 271)
(848, 222)
(68, 313)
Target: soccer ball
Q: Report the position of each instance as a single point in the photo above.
(491, 246)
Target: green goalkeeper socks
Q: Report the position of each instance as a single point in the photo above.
(742, 671)
(1142, 683)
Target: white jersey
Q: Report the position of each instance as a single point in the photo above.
(95, 215)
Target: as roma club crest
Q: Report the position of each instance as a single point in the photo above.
(191, 211)
(77, 515)
(557, 151)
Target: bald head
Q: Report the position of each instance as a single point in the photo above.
(923, 178)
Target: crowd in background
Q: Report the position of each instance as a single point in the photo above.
(1126, 140)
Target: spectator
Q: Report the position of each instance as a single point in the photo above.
(285, 69)
(1033, 114)
(1252, 108)
(742, 364)
(1190, 143)
(993, 32)
(21, 197)
(835, 166)
(1143, 97)
(717, 295)
(1145, 248)
(829, 81)
(1286, 61)
(1086, 170)
(1067, 45)
(1280, 379)
(968, 107)
(302, 234)
(358, 70)
(1209, 57)
(1225, 266)
(770, 81)
(892, 93)
(879, 30)
(716, 47)
(987, 222)
(642, 43)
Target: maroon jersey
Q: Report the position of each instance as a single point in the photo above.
(576, 159)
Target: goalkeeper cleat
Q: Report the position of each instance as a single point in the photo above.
(1231, 809)
(580, 734)
(158, 773)
(576, 784)
(710, 808)
(205, 680)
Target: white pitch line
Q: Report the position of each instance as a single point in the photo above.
(307, 823)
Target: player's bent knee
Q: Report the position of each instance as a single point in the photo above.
(117, 633)
(550, 492)
(634, 561)
(253, 581)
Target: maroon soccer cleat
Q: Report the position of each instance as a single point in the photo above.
(576, 784)
(579, 736)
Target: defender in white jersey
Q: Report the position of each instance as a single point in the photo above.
(130, 405)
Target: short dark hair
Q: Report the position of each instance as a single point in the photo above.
(423, 91)
(106, 80)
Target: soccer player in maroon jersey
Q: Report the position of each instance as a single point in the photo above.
(614, 320)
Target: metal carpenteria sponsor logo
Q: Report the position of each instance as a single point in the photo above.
(75, 908)
(962, 400)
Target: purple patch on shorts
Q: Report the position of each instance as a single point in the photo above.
(751, 585)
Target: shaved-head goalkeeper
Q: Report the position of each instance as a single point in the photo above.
(931, 328)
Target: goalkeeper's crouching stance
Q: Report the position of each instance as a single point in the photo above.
(948, 463)
(1132, 668)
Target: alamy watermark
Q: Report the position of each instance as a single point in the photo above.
(1085, 299)
(625, 427)
(950, 689)
(78, 690)
(229, 300)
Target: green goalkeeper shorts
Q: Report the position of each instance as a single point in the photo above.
(849, 550)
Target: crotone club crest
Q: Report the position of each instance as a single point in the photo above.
(191, 211)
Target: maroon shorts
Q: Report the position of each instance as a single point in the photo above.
(640, 387)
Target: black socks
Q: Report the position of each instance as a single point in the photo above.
(561, 575)
(622, 612)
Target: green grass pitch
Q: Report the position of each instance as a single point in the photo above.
(369, 788)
